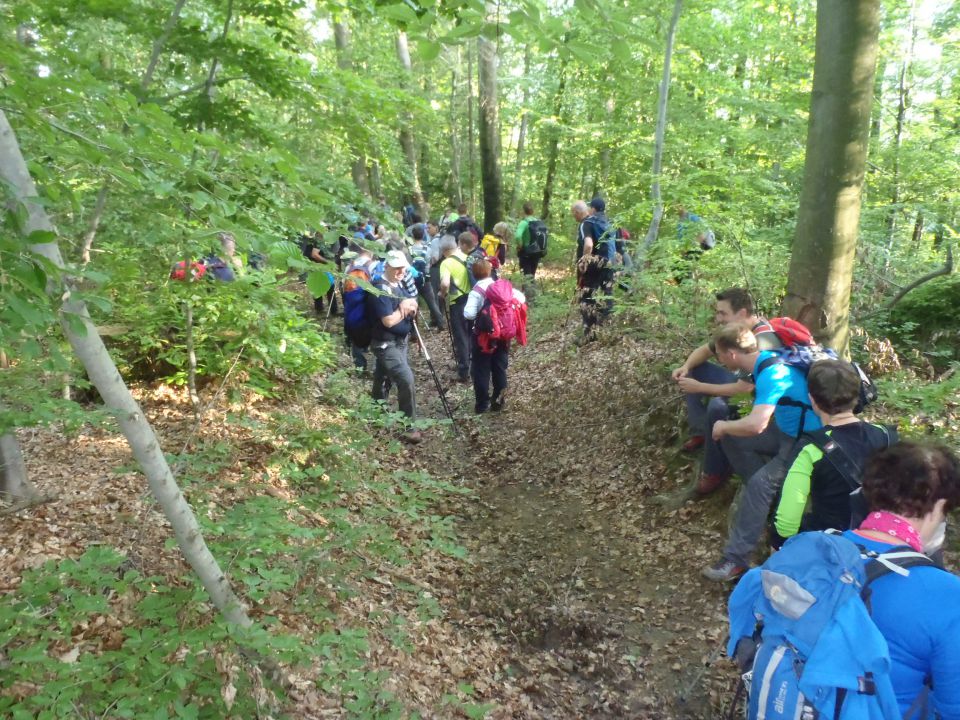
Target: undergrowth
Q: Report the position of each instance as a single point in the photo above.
(96, 637)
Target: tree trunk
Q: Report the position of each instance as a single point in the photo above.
(821, 266)
(358, 169)
(553, 144)
(454, 132)
(654, 230)
(15, 485)
(600, 182)
(489, 136)
(375, 184)
(158, 44)
(903, 91)
(406, 133)
(89, 348)
(471, 134)
(521, 137)
(91, 233)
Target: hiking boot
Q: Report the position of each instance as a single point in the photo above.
(693, 443)
(498, 402)
(413, 437)
(711, 481)
(477, 410)
(723, 571)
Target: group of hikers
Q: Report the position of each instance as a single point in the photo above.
(852, 615)
(455, 268)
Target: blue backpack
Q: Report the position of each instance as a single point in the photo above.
(606, 244)
(219, 269)
(801, 631)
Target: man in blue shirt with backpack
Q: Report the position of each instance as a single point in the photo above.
(760, 446)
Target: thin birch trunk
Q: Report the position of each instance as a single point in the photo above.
(663, 94)
(89, 348)
(95, 219)
(471, 134)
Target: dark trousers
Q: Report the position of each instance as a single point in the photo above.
(331, 298)
(483, 367)
(425, 288)
(595, 296)
(461, 337)
(528, 265)
(392, 368)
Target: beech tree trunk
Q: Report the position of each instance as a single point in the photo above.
(406, 133)
(489, 136)
(455, 176)
(89, 348)
(471, 134)
(358, 169)
(553, 144)
(521, 138)
(654, 230)
(821, 265)
(14, 483)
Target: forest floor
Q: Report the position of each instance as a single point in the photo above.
(579, 595)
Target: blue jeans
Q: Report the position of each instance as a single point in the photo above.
(697, 402)
(714, 460)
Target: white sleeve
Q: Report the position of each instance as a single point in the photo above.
(474, 303)
(519, 296)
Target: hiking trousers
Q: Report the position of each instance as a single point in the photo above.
(759, 488)
(430, 297)
(483, 367)
(461, 336)
(711, 374)
(392, 367)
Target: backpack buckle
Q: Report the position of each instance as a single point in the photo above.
(866, 685)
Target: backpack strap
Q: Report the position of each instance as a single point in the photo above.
(897, 560)
(848, 468)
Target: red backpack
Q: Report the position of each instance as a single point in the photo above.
(790, 332)
(188, 271)
(501, 319)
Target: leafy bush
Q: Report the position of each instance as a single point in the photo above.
(928, 318)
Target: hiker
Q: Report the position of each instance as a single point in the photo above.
(495, 245)
(464, 223)
(828, 468)
(708, 386)
(420, 254)
(454, 288)
(314, 250)
(391, 317)
(356, 322)
(910, 489)
(449, 216)
(759, 446)
(595, 252)
(694, 235)
(859, 624)
(487, 361)
(228, 249)
(531, 238)
(415, 221)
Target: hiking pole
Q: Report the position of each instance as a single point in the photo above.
(446, 313)
(436, 378)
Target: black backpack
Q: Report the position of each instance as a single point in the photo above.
(849, 468)
(465, 223)
(537, 244)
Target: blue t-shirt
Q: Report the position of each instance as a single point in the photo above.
(379, 306)
(919, 615)
(780, 380)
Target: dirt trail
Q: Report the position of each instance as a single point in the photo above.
(587, 579)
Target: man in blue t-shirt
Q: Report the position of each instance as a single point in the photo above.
(759, 446)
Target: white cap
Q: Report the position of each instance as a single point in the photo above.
(396, 259)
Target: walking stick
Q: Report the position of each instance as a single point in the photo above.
(446, 314)
(330, 299)
(436, 378)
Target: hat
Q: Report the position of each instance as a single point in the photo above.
(396, 259)
(598, 204)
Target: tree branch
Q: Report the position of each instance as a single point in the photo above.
(158, 45)
(945, 270)
(193, 88)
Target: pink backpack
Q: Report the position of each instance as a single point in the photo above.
(502, 317)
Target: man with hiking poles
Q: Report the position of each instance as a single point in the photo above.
(392, 313)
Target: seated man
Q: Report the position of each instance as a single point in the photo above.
(830, 463)
(702, 380)
(760, 446)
